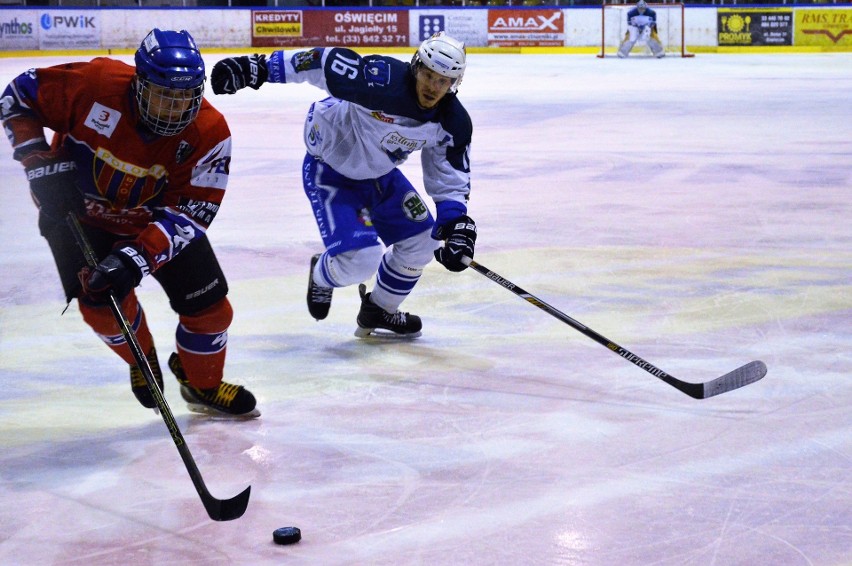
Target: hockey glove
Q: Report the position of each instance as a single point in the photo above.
(460, 236)
(52, 176)
(235, 73)
(119, 272)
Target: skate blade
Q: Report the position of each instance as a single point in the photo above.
(221, 415)
(381, 334)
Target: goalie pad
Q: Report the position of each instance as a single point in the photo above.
(647, 35)
(655, 45)
(626, 45)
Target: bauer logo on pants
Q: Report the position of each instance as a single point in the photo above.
(414, 207)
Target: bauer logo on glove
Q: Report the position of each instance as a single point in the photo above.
(119, 273)
(235, 73)
(460, 236)
(137, 258)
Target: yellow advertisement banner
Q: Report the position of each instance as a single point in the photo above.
(276, 23)
(830, 28)
(276, 30)
(755, 26)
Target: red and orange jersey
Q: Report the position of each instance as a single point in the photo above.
(161, 191)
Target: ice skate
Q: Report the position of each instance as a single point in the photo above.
(226, 400)
(375, 321)
(319, 298)
(138, 384)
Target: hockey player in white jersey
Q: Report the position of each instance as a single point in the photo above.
(371, 218)
(641, 25)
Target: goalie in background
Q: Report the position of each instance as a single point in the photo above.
(641, 25)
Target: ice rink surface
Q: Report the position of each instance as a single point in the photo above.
(695, 211)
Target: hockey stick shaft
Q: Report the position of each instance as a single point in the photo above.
(740, 377)
(217, 509)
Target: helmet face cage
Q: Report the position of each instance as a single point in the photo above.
(443, 55)
(166, 111)
(641, 6)
(169, 82)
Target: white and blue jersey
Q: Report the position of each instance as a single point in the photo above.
(648, 18)
(372, 122)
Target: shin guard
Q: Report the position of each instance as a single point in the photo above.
(202, 340)
(102, 321)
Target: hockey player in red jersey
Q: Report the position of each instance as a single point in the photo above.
(142, 159)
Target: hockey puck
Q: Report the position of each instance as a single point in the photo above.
(287, 535)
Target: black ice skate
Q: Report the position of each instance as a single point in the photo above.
(389, 325)
(140, 386)
(227, 400)
(319, 298)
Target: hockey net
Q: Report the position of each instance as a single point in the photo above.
(670, 28)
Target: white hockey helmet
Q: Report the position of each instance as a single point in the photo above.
(641, 6)
(443, 55)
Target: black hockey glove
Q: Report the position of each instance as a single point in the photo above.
(460, 236)
(119, 272)
(53, 183)
(235, 73)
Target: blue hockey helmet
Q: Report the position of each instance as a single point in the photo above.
(169, 84)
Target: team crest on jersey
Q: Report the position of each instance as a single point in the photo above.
(307, 60)
(399, 147)
(125, 184)
(377, 72)
(184, 150)
(414, 207)
(102, 119)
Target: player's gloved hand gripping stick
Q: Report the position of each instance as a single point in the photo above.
(740, 377)
(217, 509)
(459, 237)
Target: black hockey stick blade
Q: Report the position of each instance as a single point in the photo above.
(740, 377)
(226, 509)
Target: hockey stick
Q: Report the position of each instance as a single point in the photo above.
(218, 509)
(740, 377)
